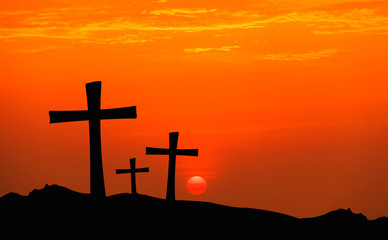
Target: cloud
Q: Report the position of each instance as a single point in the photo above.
(81, 23)
(363, 21)
(181, 12)
(41, 32)
(197, 50)
(132, 25)
(128, 24)
(123, 39)
(36, 50)
(301, 56)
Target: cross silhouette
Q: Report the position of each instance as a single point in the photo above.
(132, 171)
(172, 152)
(94, 114)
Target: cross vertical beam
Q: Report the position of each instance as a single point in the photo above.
(93, 95)
(172, 152)
(173, 145)
(132, 163)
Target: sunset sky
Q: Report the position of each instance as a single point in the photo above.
(286, 100)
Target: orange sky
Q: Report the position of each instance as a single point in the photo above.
(285, 99)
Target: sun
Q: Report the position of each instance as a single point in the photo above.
(196, 185)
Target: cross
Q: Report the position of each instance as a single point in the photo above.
(94, 114)
(172, 152)
(132, 171)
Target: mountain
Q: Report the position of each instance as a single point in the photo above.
(57, 207)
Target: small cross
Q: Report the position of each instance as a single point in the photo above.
(172, 152)
(133, 172)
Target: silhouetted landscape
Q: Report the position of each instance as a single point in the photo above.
(60, 206)
(59, 210)
(275, 105)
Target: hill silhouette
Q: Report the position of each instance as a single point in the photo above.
(61, 208)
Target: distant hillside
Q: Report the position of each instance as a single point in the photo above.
(67, 210)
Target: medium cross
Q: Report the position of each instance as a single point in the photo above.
(172, 152)
(133, 172)
(94, 114)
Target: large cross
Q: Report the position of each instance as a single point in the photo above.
(94, 114)
(172, 152)
(132, 171)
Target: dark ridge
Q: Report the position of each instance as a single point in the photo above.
(11, 197)
(56, 193)
(339, 216)
(70, 211)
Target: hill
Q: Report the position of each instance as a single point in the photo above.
(57, 207)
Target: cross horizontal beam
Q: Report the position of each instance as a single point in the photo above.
(120, 171)
(187, 152)
(82, 115)
(157, 151)
(68, 116)
(164, 151)
(118, 113)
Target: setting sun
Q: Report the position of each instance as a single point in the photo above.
(196, 185)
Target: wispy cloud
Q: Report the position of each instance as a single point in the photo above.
(41, 32)
(129, 25)
(198, 50)
(123, 39)
(36, 49)
(301, 56)
(181, 12)
(364, 21)
(73, 23)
